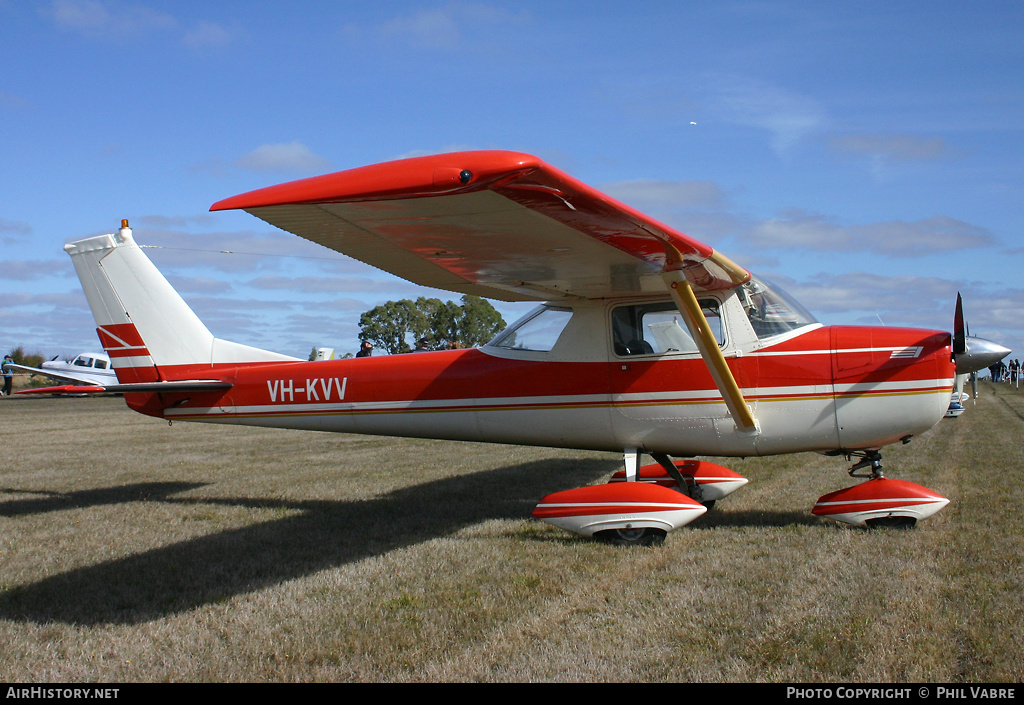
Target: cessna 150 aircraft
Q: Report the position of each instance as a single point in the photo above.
(649, 342)
(87, 372)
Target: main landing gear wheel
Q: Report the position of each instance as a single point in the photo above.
(632, 537)
(891, 523)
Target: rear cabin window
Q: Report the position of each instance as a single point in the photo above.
(658, 328)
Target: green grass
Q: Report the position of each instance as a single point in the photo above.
(135, 551)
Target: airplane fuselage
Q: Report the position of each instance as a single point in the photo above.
(811, 389)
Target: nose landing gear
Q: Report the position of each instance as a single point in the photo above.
(869, 458)
(880, 502)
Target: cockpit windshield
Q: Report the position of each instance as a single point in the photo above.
(771, 310)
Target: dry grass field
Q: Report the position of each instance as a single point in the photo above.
(132, 551)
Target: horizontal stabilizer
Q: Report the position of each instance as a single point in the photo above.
(180, 385)
(64, 389)
(184, 385)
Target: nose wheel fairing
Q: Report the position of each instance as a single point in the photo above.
(880, 502)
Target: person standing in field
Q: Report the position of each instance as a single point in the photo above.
(8, 374)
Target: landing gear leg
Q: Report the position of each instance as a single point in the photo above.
(870, 458)
(631, 463)
(692, 489)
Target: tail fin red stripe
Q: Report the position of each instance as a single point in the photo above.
(122, 340)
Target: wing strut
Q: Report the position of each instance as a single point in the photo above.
(686, 302)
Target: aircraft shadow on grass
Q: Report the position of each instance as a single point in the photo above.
(324, 535)
(60, 501)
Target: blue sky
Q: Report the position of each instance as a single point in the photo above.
(867, 156)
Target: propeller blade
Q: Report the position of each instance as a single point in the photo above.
(959, 336)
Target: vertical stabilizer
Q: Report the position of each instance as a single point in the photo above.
(144, 325)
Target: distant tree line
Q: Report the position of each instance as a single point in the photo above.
(396, 325)
(28, 359)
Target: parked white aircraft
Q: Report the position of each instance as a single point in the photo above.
(82, 374)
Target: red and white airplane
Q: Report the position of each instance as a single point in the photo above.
(649, 342)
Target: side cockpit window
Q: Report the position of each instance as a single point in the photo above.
(538, 332)
(657, 328)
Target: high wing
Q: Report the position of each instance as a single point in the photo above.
(502, 225)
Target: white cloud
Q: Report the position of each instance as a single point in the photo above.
(207, 34)
(870, 292)
(654, 194)
(95, 18)
(893, 147)
(787, 115)
(13, 230)
(805, 231)
(290, 156)
(436, 27)
(454, 26)
(10, 100)
(111, 19)
(938, 233)
(34, 269)
(896, 238)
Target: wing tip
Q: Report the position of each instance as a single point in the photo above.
(413, 176)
